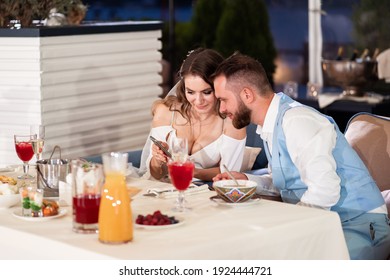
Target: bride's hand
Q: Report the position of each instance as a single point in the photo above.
(158, 154)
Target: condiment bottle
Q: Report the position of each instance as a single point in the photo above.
(115, 217)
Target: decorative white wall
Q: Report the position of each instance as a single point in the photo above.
(92, 92)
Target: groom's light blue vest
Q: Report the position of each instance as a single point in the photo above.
(359, 193)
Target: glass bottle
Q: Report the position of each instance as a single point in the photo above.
(354, 55)
(375, 55)
(364, 56)
(115, 217)
(340, 53)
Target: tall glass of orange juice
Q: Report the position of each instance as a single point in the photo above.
(115, 218)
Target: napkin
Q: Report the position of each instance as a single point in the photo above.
(326, 99)
(167, 192)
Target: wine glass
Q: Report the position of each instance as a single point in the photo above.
(38, 142)
(178, 147)
(24, 150)
(181, 170)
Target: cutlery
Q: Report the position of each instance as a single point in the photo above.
(231, 175)
(156, 193)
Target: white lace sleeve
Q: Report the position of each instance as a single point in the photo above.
(160, 133)
(232, 153)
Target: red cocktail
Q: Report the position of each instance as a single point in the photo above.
(24, 150)
(181, 174)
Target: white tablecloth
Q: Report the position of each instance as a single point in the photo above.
(263, 230)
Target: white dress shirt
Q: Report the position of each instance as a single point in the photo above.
(310, 140)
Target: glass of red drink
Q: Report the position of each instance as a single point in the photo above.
(181, 174)
(87, 182)
(181, 170)
(25, 152)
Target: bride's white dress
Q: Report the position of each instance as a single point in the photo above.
(224, 150)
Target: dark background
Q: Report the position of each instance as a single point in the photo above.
(288, 21)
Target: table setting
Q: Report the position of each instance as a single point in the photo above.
(205, 232)
(184, 219)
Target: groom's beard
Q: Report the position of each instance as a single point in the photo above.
(243, 116)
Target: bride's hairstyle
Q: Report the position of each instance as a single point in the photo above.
(199, 62)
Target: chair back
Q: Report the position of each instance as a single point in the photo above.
(369, 135)
(254, 140)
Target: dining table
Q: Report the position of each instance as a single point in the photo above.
(259, 229)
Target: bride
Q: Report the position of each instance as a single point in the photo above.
(191, 111)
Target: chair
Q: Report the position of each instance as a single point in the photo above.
(369, 135)
(254, 140)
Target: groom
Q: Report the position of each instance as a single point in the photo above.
(310, 160)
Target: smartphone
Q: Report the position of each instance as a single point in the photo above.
(158, 144)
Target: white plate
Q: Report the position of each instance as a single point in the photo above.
(6, 169)
(9, 168)
(222, 202)
(181, 221)
(18, 214)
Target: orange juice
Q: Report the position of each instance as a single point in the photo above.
(115, 218)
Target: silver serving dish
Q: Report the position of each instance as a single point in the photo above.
(351, 76)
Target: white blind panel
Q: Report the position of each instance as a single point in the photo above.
(92, 92)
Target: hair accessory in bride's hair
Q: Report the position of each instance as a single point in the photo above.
(184, 60)
(190, 52)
